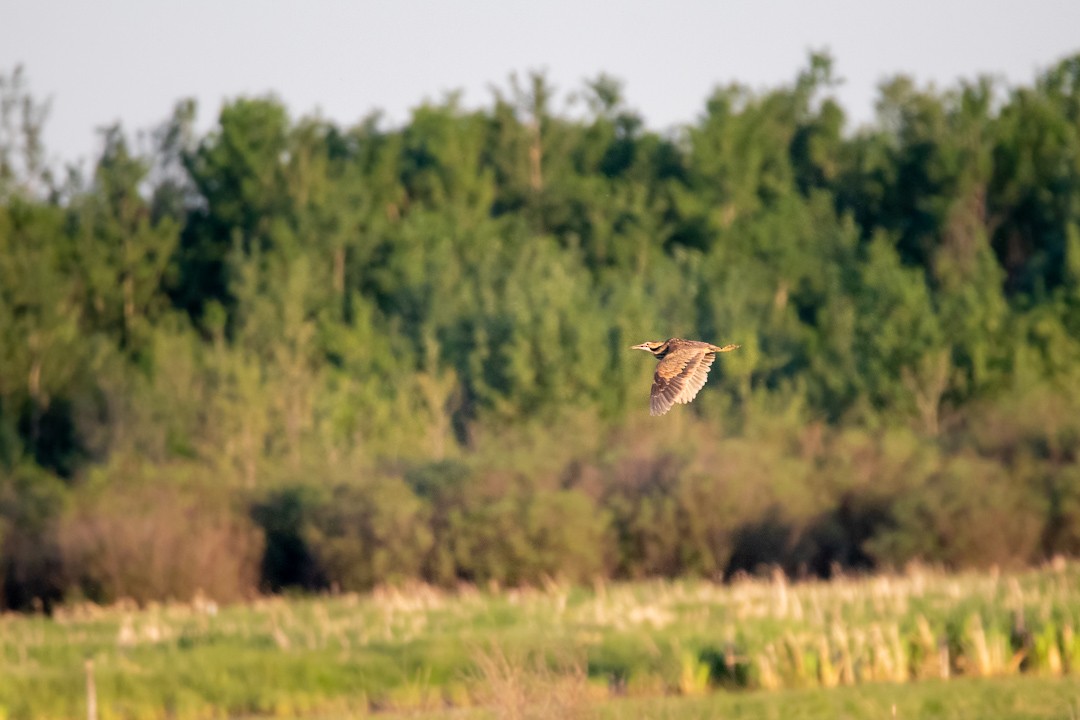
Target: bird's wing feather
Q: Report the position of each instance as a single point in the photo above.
(679, 377)
(696, 381)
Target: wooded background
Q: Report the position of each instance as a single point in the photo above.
(291, 354)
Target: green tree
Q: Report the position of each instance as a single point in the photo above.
(121, 252)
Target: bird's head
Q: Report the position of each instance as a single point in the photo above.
(651, 346)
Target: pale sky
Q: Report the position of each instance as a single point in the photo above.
(131, 60)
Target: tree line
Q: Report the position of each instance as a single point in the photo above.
(288, 353)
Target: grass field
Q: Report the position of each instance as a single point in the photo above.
(926, 643)
(1016, 698)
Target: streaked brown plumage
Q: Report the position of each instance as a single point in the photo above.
(682, 370)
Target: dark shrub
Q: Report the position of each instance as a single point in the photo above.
(31, 501)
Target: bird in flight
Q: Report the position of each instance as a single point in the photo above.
(682, 370)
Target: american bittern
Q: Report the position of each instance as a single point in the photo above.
(682, 370)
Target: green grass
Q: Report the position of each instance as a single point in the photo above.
(757, 648)
(1016, 698)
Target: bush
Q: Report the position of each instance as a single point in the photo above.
(443, 486)
(157, 534)
(567, 537)
(31, 500)
(971, 513)
(284, 516)
(1062, 535)
(509, 529)
(523, 537)
(368, 534)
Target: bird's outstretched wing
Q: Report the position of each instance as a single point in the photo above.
(679, 378)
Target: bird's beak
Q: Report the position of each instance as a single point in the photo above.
(642, 346)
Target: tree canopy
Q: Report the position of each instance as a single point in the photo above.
(388, 353)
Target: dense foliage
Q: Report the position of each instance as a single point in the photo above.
(289, 353)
